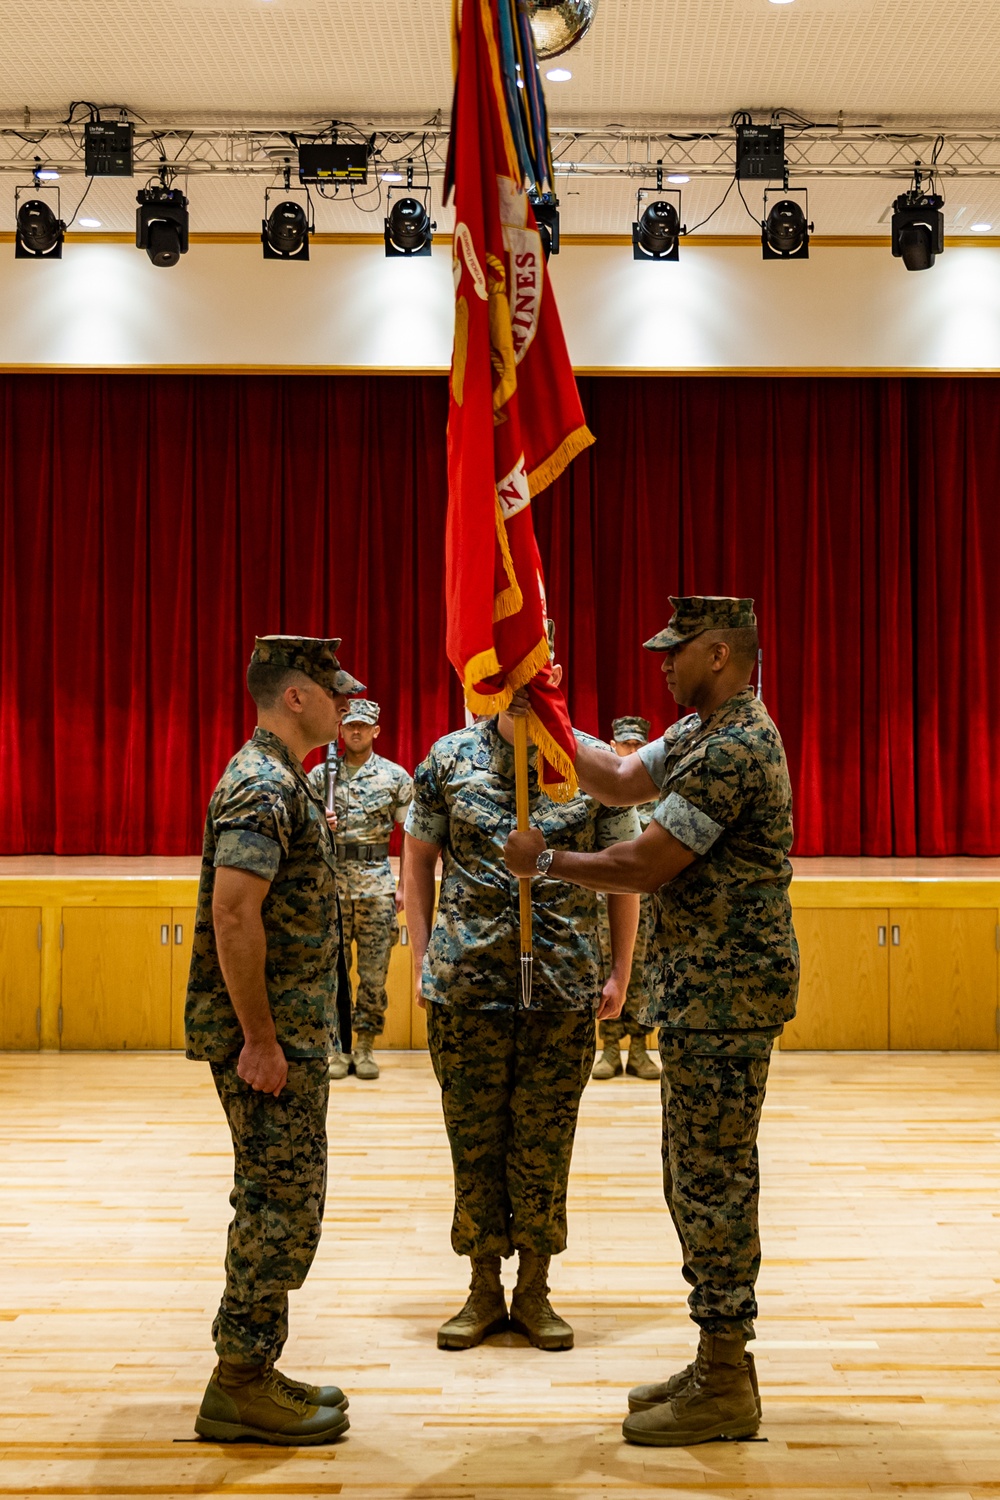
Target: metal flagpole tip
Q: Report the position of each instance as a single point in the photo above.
(526, 963)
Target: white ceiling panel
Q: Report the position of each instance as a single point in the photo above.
(918, 62)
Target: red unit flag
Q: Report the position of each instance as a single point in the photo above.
(515, 420)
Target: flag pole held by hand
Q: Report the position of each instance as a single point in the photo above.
(524, 886)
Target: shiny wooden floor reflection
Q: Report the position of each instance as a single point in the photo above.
(879, 1348)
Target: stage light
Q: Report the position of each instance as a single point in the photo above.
(46, 174)
(161, 224)
(408, 228)
(546, 210)
(559, 75)
(655, 234)
(678, 178)
(657, 228)
(89, 223)
(40, 232)
(284, 232)
(392, 176)
(918, 226)
(785, 229)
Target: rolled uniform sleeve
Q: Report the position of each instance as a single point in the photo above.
(706, 796)
(252, 831)
(427, 818)
(654, 758)
(404, 797)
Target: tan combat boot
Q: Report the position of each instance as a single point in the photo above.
(640, 1064)
(642, 1397)
(316, 1395)
(717, 1402)
(485, 1311)
(365, 1065)
(609, 1064)
(340, 1065)
(254, 1401)
(530, 1310)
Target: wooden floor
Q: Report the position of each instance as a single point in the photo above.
(879, 1348)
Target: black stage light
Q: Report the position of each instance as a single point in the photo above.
(285, 232)
(161, 224)
(656, 233)
(39, 234)
(546, 211)
(918, 227)
(408, 228)
(784, 233)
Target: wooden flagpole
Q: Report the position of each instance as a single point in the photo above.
(524, 892)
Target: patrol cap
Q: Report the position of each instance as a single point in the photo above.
(630, 729)
(700, 612)
(550, 636)
(362, 711)
(305, 653)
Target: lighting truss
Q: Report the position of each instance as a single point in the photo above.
(607, 151)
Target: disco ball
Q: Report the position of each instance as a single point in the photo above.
(558, 25)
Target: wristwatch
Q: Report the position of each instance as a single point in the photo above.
(544, 860)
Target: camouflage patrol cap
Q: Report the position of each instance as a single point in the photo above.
(362, 711)
(698, 613)
(550, 636)
(630, 730)
(305, 653)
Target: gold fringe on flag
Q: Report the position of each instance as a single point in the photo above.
(548, 471)
(509, 601)
(566, 789)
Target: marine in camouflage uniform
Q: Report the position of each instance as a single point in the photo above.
(627, 734)
(266, 818)
(722, 973)
(365, 801)
(511, 1079)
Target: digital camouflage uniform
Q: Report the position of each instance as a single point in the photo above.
(633, 1020)
(510, 1078)
(722, 973)
(368, 801)
(266, 818)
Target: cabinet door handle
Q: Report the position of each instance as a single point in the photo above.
(881, 937)
(895, 935)
(165, 933)
(178, 933)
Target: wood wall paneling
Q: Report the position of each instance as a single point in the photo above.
(116, 978)
(20, 978)
(943, 980)
(844, 988)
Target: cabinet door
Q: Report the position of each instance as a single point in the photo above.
(181, 938)
(20, 978)
(943, 980)
(844, 989)
(116, 978)
(399, 989)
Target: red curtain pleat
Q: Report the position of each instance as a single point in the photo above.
(151, 525)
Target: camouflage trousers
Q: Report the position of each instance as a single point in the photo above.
(371, 923)
(632, 1020)
(277, 1197)
(511, 1082)
(712, 1101)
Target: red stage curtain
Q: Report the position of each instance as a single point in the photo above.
(152, 524)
